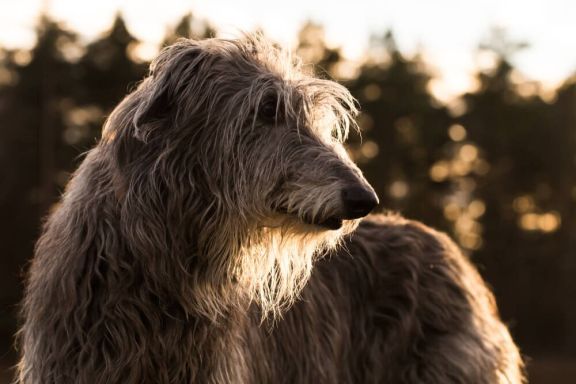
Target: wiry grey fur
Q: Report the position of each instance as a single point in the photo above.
(183, 248)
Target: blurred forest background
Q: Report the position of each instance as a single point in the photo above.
(495, 168)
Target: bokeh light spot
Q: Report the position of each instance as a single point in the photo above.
(372, 92)
(398, 189)
(549, 222)
(529, 221)
(523, 204)
(468, 153)
(476, 208)
(369, 149)
(439, 171)
(457, 132)
(452, 211)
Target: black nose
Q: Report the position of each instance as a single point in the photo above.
(358, 202)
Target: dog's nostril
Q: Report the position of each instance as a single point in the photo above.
(358, 202)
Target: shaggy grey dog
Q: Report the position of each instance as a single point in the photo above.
(188, 246)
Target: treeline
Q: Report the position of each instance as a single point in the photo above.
(496, 170)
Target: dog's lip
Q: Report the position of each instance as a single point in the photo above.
(332, 223)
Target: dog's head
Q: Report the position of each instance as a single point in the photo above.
(242, 120)
(241, 140)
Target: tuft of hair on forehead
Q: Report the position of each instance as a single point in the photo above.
(298, 94)
(272, 56)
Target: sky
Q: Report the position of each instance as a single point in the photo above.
(445, 32)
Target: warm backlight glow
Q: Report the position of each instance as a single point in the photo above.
(445, 34)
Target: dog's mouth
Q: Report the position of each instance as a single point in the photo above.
(331, 223)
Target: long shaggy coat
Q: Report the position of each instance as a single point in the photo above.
(213, 236)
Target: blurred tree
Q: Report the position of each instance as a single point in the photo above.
(108, 70)
(526, 188)
(181, 30)
(189, 27)
(563, 146)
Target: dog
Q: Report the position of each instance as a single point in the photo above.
(215, 235)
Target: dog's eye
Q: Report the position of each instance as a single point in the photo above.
(268, 109)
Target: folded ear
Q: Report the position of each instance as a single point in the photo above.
(170, 73)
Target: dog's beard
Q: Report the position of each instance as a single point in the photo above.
(276, 262)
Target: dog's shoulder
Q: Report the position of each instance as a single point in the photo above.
(407, 260)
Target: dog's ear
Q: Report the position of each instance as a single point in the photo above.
(153, 108)
(170, 73)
